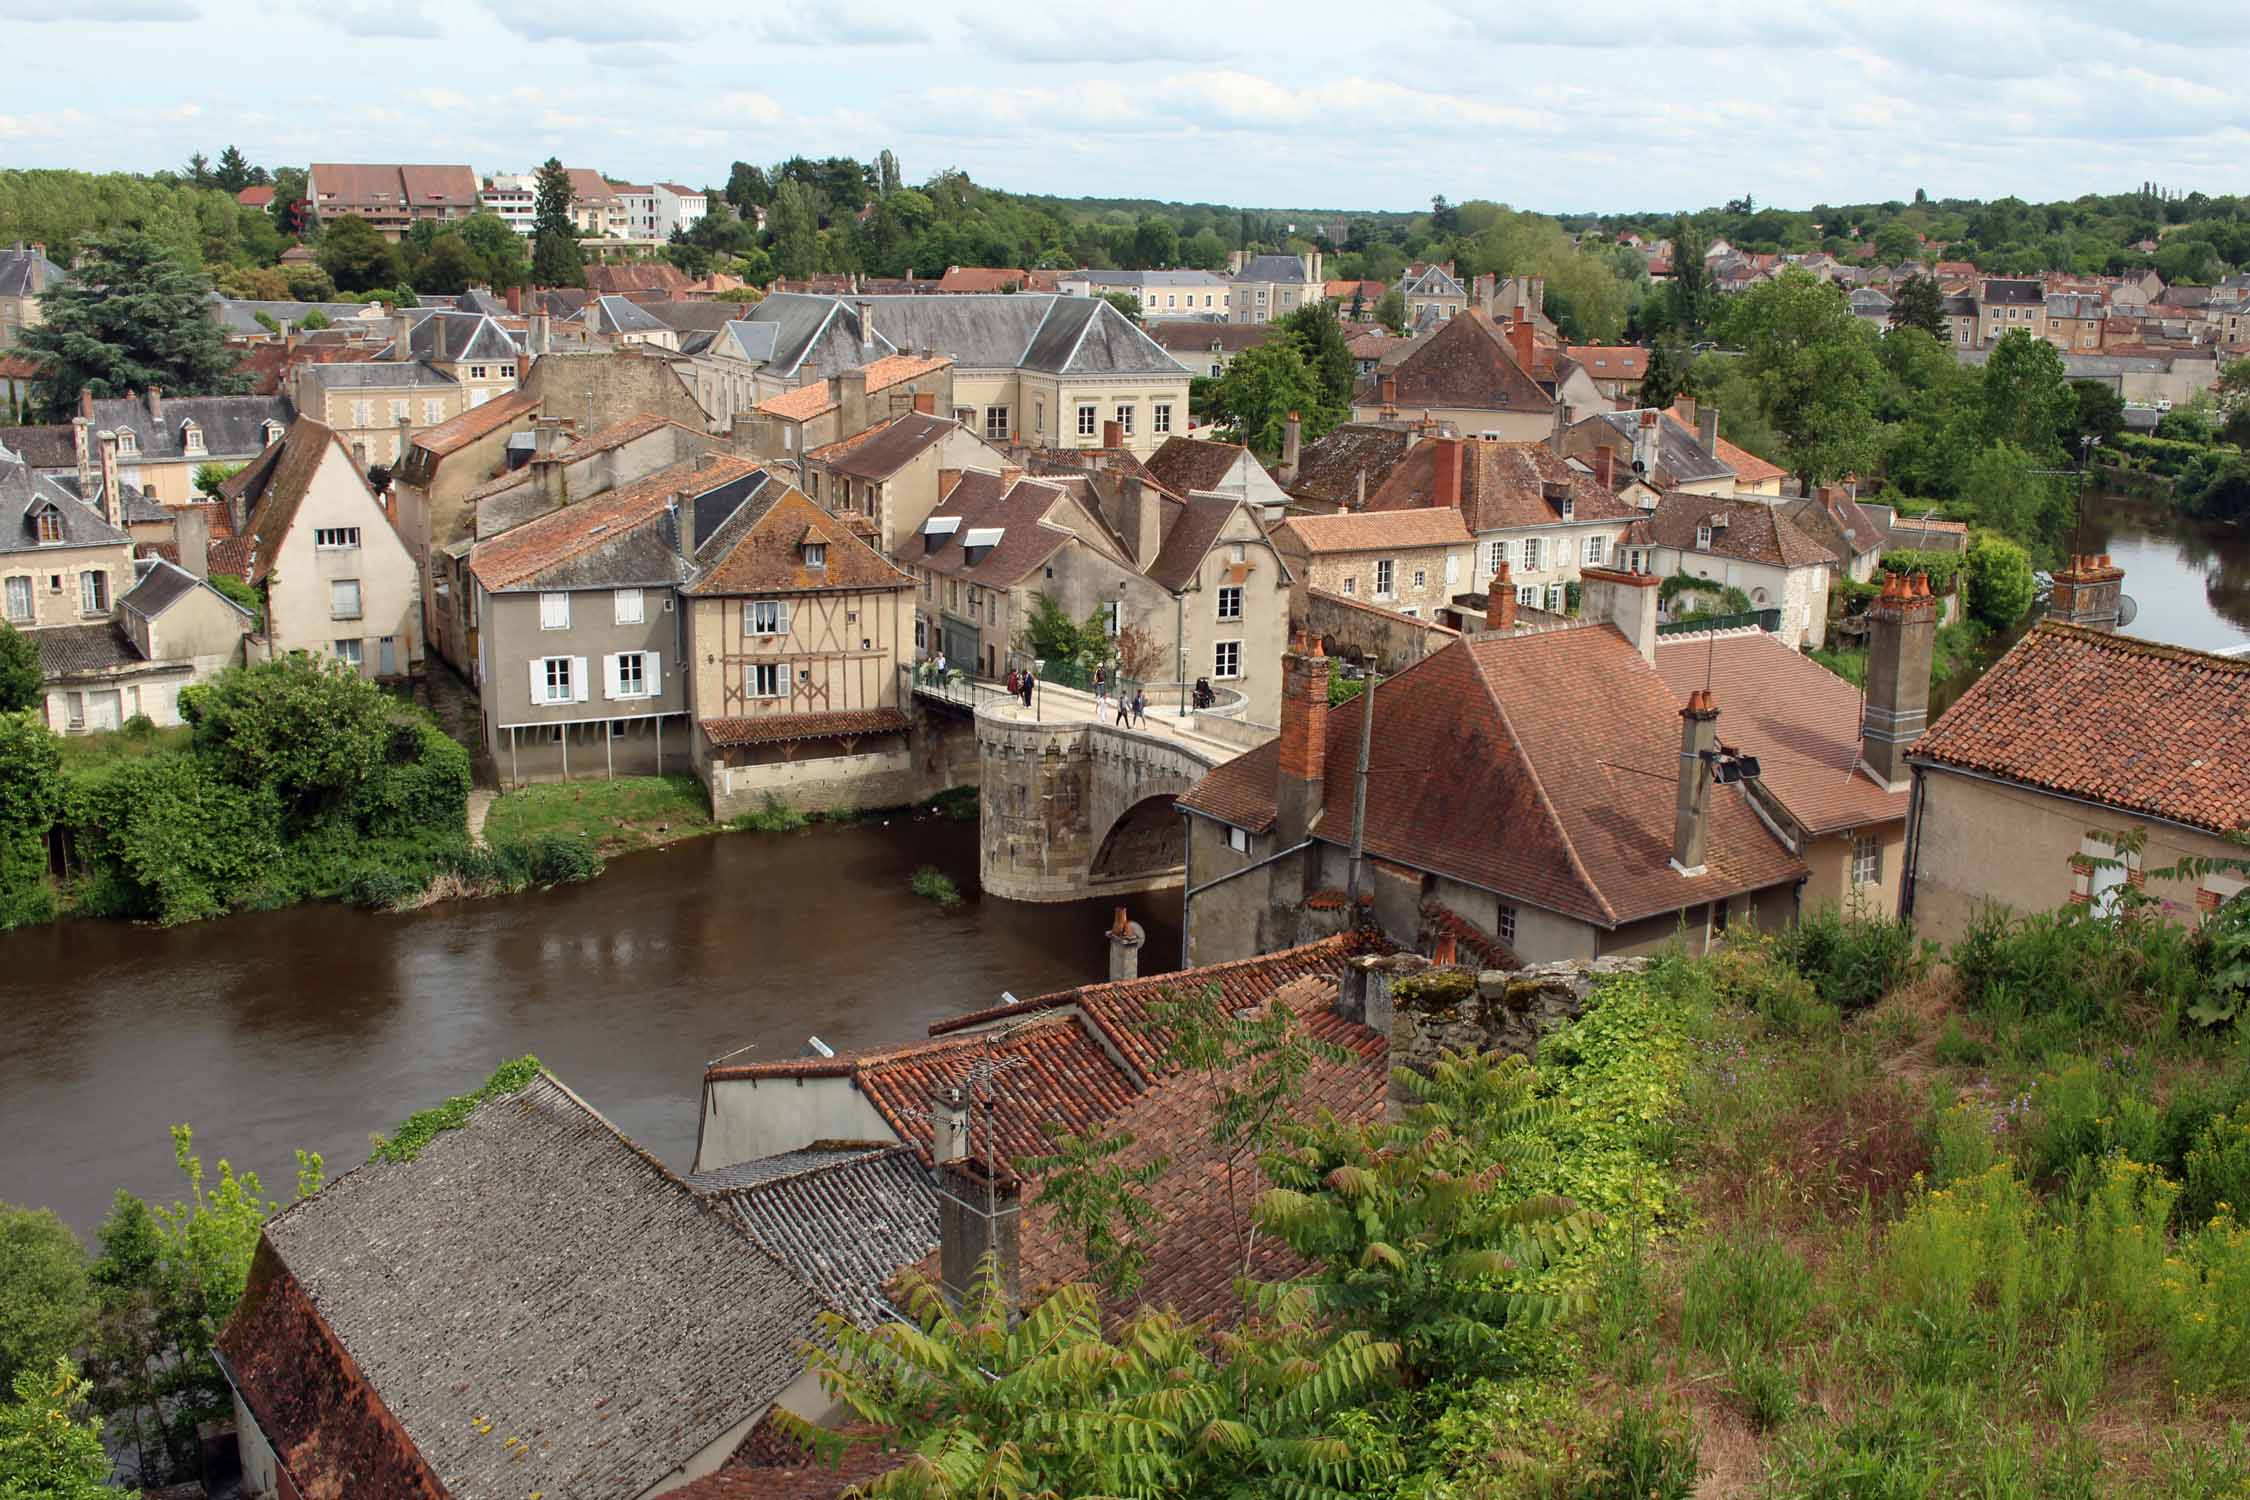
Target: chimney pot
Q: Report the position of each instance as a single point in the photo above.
(1125, 939)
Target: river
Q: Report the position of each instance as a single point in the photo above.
(316, 1025)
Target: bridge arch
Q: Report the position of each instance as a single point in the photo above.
(1147, 840)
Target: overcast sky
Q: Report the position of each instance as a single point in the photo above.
(1313, 104)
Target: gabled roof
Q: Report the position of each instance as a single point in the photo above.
(275, 483)
(1184, 464)
(232, 426)
(1680, 455)
(1503, 485)
(1189, 533)
(366, 184)
(1376, 531)
(1046, 332)
(449, 338)
(846, 1221)
(164, 584)
(641, 276)
(981, 501)
(456, 433)
(764, 551)
(614, 314)
(1611, 361)
(1329, 469)
(1194, 336)
(887, 447)
(609, 540)
(1284, 268)
(1744, 529)
(822, 396)
(531, 1305)
(26, 271)
(1467, 363)
(1542, 767)
(1064, 1078)
(2145, 728)
(1798, 718)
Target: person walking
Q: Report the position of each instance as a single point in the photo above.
(940, 666)
(1101, 691)
(1140, 708)
(1015, 683)
(1028, 679)
(1124, 706)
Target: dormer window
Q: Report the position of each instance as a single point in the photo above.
(191, 438)
(1569, 507)
(50, 527)
(128, 441)
(816, 554)
(1702, 538)
(272, 431)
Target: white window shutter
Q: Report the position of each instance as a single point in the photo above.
(652, 674)
(538, 680)
(578, 678)
(609, 676)
(782, 610)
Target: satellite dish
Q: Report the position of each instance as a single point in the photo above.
(1639, 467)
(2127, 610)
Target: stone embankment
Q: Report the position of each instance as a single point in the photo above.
(1428, 1010)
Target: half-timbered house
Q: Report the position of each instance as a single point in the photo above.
(796, 631)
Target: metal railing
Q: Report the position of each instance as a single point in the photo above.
(955, 686)
(1768, 620)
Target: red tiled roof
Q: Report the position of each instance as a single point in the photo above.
(1375, 530)
(1502, 485)
(1185, 464)
(1467, 363)
(1124, 1011)
(768, 556)
(558, 536)
(1064, 1078)
(776, 728)
(984, 279)
(1752, 531)
(275, 483)
(2134, 725)
(256, 196)
(1471, 944)
(811, 1480)
(1542, 767)
(18, 367)
(816, 397)
(478, 421)
(980, 502)
(1611, 361)
(1798, 718)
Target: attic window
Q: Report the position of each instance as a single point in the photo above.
(273, 433)
(1703, 538)
(816, 554)
(128, 441)
(191, 438)
(50, 527)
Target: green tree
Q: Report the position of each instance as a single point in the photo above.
(793, 222)
(2005, 495)
(1100, 1203)
(1156, 244)
(22, 683)
(555, 260)
(1260, 388)
(1693, 302)
(46, 1303)
(2027, 398)
(1666, 377)
(450, 267)
(198, 170)
(1896, 242)
(310, 732)
(1999, 582)
(887, 180)
(1919, 303)
(993, 1408)
(2099, 413)
(356, 256)
(1390, 310)
(1320, 338)
(287, 210)
(47, 1451)
(30, 799)
(131, 316)
(1814, 367)
(1124, 302)
(234, 171)
(1413, 1229)
(500, 259)
(2232, 389)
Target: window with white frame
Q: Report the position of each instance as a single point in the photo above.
(1531, 548)
(1421, 578)
(764, 680)
(1230, 601)
(363, 413)
(1597, 547)
(1867, 859)
(1351, 583)
(1238, 839)
(128, 441)
(1385, 571)
(1527, 595)
(996, 424)
(626, 607)
(554, 611)
(1554, 598)
(816, 554)
(350, 651)
(343, 598)
(1160, 417)
(433, 410)
(479, 372)
(1496, 557)
(507, 372)
(1227, 659)
(191, 438)
(1504, 924)
(398, 409)
(1702, 538)
(1088, 417)
(765, 617)
(965, 415)
(19, 597)
(554, 679)
(632, 674)
(1125, 420)
(335, 538)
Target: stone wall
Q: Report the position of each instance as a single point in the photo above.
(1389, 641)
(1428, 1010)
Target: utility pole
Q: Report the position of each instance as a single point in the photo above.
(1359, 799)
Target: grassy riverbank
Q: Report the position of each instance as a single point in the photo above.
(616, 817)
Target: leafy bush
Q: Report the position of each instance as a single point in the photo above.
(562, 859)
(2076, 966)
(166, 840)
(2218, 1169)
(2000, 584)
(933, 884)
(775, 816)
(313, 733)
(31, 790)
(1853, 959)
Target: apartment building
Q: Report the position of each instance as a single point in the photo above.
(1262, 288)
(391, 197)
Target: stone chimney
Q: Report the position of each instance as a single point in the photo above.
(405, 447)
(359, 455)
(547, 478)
(1141, 519)
(82, 445)
(1387, 387)
(191, 534)
(1292, 450)
(1235, 261)
(402, 336)
(1125, 939)
(1902, 633)
(1300, 783)
(1648, 434)
(1482, 290)
(1359, 490)
(1445, 488)
(979, 1215)
(1500, 602)
(949, 1127)
(1707, 427)
(113, 507)
(1605, 467)
(155, 403)
(851, 399)
(541, 334)
(2087, 592)
(1626, 600)
(1691, 818)
(866, 311)
(1519, 342)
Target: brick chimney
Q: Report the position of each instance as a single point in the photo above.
(1902, 634)
(1605, 467)
(1519, 342)
(1691, 818)
(1125, 939)
(866, 310)
(925, 403)
(1626, 600)
(541, 334)
(113, 509)
(1300, 783)
(2086, 593)
(1500, 602)
(155, 403)
(1445, 488)
(1292, 450)
(86, 402)
(1113, 434)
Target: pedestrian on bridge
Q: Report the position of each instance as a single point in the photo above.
(1028, 680)
(1140, 707)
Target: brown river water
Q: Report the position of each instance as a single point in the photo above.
(317, 1025)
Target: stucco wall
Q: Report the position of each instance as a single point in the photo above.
(744, 1119)
(57, 603)
(874, 778)
(1365, 633)
(1801, 594)
(1829, 857)
(298, 614)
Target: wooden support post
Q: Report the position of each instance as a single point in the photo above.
(515, 769)
(660, 744)
(609, 746)
(566, 751)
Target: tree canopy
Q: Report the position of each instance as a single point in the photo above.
(131, 316)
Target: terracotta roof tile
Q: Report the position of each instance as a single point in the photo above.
(979, 502)
(1503, 485)
(1467, 363)
(767, 555)
(274, 483)
(1329, 470)
(1611, 361)
(1798, 718)
(1751, 531)
(816, 397)
(478, 421)
(777, 728)
(2128, 723)
(1185, 464)
(1425, 526)
(515, 556)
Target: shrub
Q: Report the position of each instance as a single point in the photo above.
(1852, 959)
(421, 786)
(381, 889)
(774, 816)
(1964, 1259)
(1649, 1454)
(932, 884)
(1747, 973)
(2000, 584)
(2217, 1169)
(168, 842)
(562, 859)
(1941, 568)
(1961, 1142)
(31, 793)
(1749, 1292)
(2082, 968)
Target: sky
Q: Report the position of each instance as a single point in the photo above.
(1308, 104)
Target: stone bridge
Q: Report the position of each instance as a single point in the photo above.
(1075, 805)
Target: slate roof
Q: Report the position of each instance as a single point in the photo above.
(613, 314)
(1328, 470)
(763, 552)
(1680, 455)
(162, 586)
(78, 650)
(20, 264)
(1752, 531)
(1467, 363)
(1046, 332)
(240, 314)
(274, 485)
(1798, 718)
(377, 375)
(1543, 767)
(1502, 485)
(847, 1222)
(774, 729)
(531, 1275)
(1194, 336)
(455, 337)
(617, 538)
(2007, 292)
(887, 447)
(1186, 464)
(233, 426)
(1376, 531)
(2150, 729)
(1065, 1078)
(1271, 268)
(133, 501)
(25, 493)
